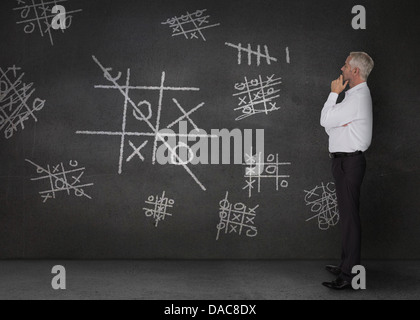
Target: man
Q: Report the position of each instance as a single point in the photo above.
(349, 126)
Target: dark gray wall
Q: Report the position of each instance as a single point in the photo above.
(129, 34)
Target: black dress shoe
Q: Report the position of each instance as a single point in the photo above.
(338, 284)
(333, 269)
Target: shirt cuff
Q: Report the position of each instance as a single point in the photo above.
(333, 97)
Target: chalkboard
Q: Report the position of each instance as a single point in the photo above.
(83, 108)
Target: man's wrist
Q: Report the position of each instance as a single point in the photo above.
(333, 96)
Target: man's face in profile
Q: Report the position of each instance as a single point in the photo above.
(346, 70)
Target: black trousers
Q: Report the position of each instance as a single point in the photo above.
(348, 173)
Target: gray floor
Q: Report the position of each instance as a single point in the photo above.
(202, 280)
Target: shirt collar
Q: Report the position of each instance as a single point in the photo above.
(354, 89)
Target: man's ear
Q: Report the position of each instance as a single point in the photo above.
(356, 71)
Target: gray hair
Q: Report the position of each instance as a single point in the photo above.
(362, 61)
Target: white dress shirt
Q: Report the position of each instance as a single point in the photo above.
(349, 123)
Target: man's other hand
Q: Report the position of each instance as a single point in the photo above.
(337, 85)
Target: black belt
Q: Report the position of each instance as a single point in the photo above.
(344, 154)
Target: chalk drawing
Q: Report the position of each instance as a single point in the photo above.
(61, 179)
(323, 202)
(136, 151)
(250, 53)
(257, 170)
(159, 207)
(191, 25)
(236, 218)
(155, 129)
(287, 55)
(37, 16)
(256, 96)
(16, 102)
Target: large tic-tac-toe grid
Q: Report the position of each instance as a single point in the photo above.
(155, 132)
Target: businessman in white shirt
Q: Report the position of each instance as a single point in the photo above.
(349, 127)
